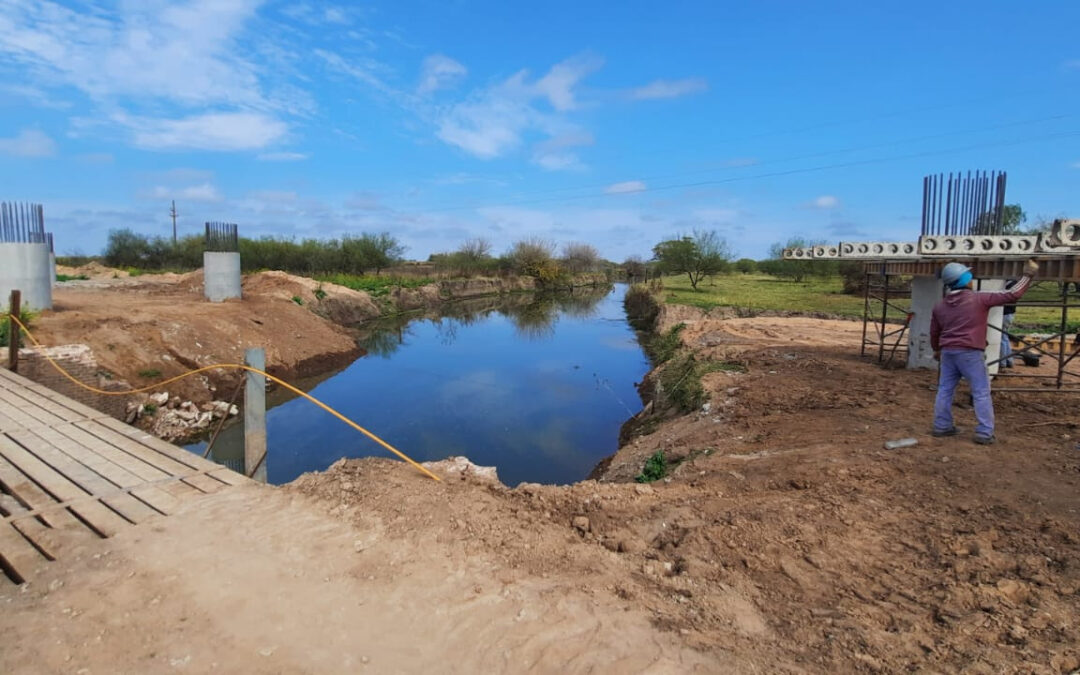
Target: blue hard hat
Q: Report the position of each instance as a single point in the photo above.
(956, 275)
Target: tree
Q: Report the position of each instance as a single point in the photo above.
(704, 254)
(634, 267)
(746, 266)
(796, 270)
(579, 257)
(379, 251)
(534, 257)
(1012, 217)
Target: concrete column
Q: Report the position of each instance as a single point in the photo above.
(52, 269)
(26, 267)
(925, 292)
(221, 275)
(993, 336)
(255, 416)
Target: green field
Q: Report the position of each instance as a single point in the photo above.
(754, 293)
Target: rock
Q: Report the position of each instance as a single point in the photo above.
(581, 524)
(132, 412)
(204, 419)
(644, 489)
(631, 546)
(160, 398)
(233, 411)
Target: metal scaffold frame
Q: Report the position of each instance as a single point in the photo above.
(887, 338)
(1064, 347)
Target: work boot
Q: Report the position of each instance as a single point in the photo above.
(939, 433)
(985, 440)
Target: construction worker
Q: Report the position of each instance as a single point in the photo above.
(958, 338)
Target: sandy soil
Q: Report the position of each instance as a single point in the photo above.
(786, 539)
(162, 322)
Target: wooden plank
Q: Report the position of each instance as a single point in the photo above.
(99, 517)
(71, 404)
(168, 449)
(83, 476)
(114, 473)
(229, 476)
(44, 538)
(36, 399)
(33, 497)
(84, 439)
(18, 558)
(134, 447)
(8, 423)
(24, 410)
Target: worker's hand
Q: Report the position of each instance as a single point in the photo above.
(937, 355)
(1031, 267)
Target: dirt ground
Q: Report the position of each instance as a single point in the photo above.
(786, 539)
(162, 323)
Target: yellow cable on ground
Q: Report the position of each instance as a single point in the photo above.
(237, 366)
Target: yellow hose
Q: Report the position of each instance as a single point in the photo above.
(236, 366)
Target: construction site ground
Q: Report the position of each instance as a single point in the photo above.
(785, 539)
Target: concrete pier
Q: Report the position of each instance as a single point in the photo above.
(25, 266)
(221, 275)
(925, 292)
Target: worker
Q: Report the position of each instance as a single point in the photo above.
(958, 338)
(1008, 315)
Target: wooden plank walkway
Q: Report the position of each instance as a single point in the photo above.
(70, 474)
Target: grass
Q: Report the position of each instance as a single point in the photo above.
(150, 373)
(25, 315)
(374, 285)
(754, 293)
(72, 277)
(298, 300)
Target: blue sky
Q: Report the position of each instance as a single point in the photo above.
(615, 124)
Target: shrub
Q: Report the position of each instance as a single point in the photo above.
(25, 315)
(655, 468)
(150, 373)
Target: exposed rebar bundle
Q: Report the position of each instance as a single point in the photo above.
(222, 237)
(22, 223)
(964, 204)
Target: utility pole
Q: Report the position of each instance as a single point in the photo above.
(172, 212)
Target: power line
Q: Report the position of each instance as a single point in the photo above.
(773, 174)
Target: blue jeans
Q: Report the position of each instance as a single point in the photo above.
(1006, 344)
(971, 365)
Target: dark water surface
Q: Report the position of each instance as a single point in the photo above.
(535, 385)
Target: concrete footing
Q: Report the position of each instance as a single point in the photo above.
(221, 275)
(25, 266)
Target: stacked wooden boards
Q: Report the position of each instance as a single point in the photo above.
(69, 474)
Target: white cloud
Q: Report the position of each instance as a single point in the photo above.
(368, 71)
(493, 122)
(625, 187)
(669, 88)
(439, 72)
(1075, 165)
(204, 192)
(212, 131)
(185, 53)
(1072, 64)
(28, 143)
(824, 202)
(281, 156)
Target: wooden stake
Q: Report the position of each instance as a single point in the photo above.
(13, 331)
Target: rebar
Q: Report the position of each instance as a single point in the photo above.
(964, 204)
(222, 237)
(22, 223)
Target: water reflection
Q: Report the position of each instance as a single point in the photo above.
(534, 384)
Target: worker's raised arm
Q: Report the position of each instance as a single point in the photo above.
(998, 298)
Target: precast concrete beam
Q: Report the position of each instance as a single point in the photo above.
(878, 249)
(974, 245)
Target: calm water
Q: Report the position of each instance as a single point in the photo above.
(537, 386)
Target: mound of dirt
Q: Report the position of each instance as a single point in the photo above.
(337, 303)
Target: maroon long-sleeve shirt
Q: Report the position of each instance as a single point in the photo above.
(959, 319)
